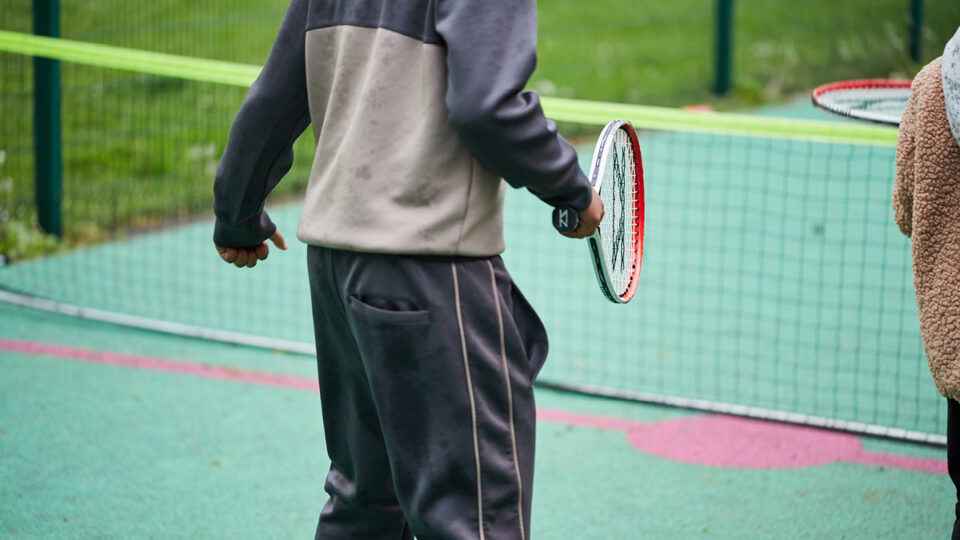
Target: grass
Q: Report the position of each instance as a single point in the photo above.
(142, 150)
(662, 53)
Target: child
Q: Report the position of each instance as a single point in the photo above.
(426, 349)
(926, 203)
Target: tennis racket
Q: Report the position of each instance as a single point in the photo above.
(616, 174)
(880, 101)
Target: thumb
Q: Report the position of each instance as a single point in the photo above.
(278, 240)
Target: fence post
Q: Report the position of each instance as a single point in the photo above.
(916, 29)
(47, 141)
(723, 46)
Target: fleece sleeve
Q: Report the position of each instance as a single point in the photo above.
(491, 53)
(259, 150)
(906, 148)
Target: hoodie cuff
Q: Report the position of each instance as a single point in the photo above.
(248, 233)
(578, 198)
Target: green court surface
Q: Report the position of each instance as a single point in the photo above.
(92, 450)
(773, 277)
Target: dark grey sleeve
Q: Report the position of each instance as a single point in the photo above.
(491, 53)
(260, 147)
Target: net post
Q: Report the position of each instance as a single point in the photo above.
(724, 37)
(47, 136)
(916, 29)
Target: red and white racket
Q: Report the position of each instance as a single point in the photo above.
(616, 174)
(880, 101)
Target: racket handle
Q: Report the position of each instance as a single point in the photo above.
(565, 219)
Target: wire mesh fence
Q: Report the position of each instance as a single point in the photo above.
(774, 277)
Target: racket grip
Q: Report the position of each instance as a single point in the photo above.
(565, 219)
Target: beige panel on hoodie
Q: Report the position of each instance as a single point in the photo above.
(391, 174)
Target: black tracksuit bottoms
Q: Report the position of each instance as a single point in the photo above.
(426, 369)
(953, 457)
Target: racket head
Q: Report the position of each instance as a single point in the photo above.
(879, 101)
(616, 174)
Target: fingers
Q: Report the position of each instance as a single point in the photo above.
(262, 251)
(278, 240)
(244, 257)
(228, 254)
(241, 260)
(247, 257)
(589, 219)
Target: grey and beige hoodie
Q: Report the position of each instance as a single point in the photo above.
(418, 110)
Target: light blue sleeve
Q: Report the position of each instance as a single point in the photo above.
(951, 83)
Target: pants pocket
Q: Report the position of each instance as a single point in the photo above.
(533, 335)
(397, 347)
(383, 312)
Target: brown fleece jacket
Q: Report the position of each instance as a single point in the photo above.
(926, 204)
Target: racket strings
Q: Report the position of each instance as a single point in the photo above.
(880, 101)
(618, 229)
(877, 100)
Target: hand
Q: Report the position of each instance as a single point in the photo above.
(248, 256)
(589, 219)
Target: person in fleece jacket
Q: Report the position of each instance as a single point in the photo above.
(926, 203)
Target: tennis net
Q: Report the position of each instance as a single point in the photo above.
(774, 282)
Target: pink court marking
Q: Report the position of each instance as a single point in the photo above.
(743, 443)
(158, 364)
(713, 440)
